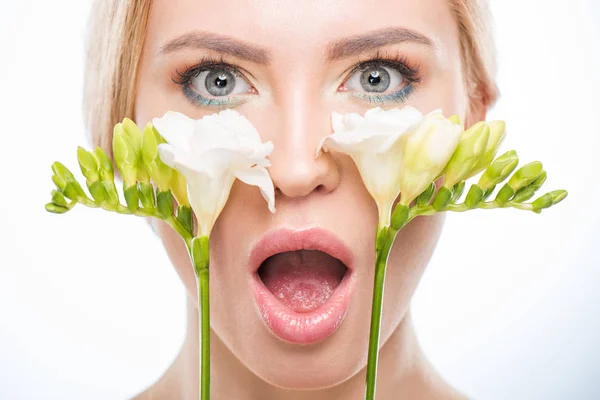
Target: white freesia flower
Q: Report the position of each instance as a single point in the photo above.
(376, 143)
(427, 152)
(396, 151)
(211, 153)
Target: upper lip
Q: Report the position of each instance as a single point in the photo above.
(285, 239)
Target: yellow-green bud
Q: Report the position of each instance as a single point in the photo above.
(424, 198)
(53, 208)
(125, 157)
(469, 151)
(549, 199)
(107, 176)
(505, 194)
(539, 181)
(61, 171)
(59, 199)
(164, 203)
(158, 170)
(97, 191)
(184, 216)
(525, 175)
(487, 193)
(457, 191)
(146, 194)
(60, 183)
(89, 165)
(179, 188)
(442, 198)
(132, 197)
(524, 194)
(499, 170)
(474, 196)
(399, 217)
(497, 135)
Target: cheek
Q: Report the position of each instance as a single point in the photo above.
(409, 257)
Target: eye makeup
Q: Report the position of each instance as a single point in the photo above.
(396, 63)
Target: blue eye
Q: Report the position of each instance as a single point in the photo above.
(213, 83)
(381, 80)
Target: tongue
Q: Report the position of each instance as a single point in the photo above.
(303, 280)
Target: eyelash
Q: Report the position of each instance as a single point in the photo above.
(398, 62)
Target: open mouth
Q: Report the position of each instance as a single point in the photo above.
(302, 283)
(302, 280)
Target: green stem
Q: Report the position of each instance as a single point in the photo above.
(380, 266)
(199, 253)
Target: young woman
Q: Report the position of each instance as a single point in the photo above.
(286, 65)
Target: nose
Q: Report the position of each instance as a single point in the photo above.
(295, 169)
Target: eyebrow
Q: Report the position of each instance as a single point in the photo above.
(219, 43)
(358, 44)
(347, 47)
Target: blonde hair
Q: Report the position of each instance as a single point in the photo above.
(115, 38)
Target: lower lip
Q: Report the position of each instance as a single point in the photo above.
(304, 328)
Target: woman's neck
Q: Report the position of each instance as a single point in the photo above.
(403, 373)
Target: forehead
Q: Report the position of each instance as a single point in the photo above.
(294, 27)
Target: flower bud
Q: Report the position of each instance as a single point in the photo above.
(158, 170)
(499, 170)
(125, 157)
(524, 194)
(179, 188)
(399, 217)
(89, 165)
(97, 191)
(59, 199)
(497, 135)
(468, 153)
(146, 194)
(549, 199)
(107, 176)
(424, 198)
(525, 175)
(539, 181)
(474, 196)
(442, 198)
(185, 217)
(60, 183)
(62, 172)
(53, 208)
(457, 191)
(132, 198)
(487, 193)
(427, 151)
(505, 194)
(164, 203)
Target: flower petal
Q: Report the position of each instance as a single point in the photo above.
(260, 178)
(176, 128)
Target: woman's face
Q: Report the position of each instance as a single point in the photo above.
(286, 65)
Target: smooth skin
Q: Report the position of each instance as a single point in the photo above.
(293, 86)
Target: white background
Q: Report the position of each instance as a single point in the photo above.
(508, 309)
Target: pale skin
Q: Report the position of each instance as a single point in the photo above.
(293, 86)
